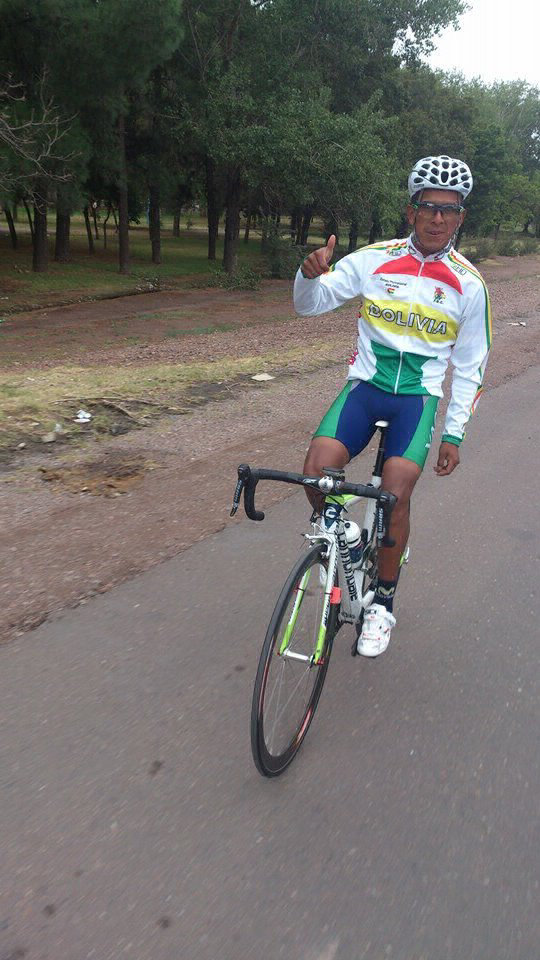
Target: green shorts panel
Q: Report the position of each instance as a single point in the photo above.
(418, 448)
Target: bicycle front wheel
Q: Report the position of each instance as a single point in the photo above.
(293, 664)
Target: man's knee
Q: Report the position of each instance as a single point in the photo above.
(400, 477)
(325, 452)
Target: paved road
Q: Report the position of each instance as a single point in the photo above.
(134, 824)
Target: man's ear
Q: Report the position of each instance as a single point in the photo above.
(411, 214)
(462, 216)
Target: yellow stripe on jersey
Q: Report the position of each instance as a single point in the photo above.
(410, 320)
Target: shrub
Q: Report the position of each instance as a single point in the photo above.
(244, 278)
(507, 247)
(482, 248)
(284, 258)
(528, 245)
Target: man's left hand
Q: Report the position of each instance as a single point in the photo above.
(448, 459)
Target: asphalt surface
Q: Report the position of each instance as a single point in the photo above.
(135, 825)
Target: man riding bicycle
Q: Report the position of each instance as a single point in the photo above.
(422, 304)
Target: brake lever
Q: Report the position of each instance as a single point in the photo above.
(237, 496)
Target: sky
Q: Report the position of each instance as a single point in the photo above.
(497, 41)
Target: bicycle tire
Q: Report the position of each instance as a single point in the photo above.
(272, 756)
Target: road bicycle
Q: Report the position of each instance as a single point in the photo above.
(330, 584)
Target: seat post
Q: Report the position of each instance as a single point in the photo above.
(379, 462)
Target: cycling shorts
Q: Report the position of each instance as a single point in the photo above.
(411, 417)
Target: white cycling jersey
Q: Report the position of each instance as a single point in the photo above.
(415, 314)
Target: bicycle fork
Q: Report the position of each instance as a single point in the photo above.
(332, 595)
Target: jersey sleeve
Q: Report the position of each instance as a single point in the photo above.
(343, 282)
(469, 358)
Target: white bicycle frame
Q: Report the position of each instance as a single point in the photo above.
(339, 558)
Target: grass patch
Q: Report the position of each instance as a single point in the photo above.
(174, 332)
(32, 404)
(96, 275)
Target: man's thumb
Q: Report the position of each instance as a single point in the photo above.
(330, 248)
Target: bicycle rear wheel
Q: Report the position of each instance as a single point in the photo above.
(289, 681)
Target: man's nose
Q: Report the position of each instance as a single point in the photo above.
(437, 217)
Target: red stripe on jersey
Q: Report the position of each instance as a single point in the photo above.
(437, 270)
(407, 265)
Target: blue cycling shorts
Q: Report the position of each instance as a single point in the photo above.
(411, 417)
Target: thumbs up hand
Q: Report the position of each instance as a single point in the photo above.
(318, 262)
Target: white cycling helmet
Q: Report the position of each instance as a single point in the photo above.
(440, 173)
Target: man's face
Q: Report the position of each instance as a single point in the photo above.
(433, 230)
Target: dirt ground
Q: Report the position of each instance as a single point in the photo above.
(74, 524)
(127, 329)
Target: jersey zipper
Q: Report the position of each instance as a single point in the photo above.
(418, 275)
(398, 370)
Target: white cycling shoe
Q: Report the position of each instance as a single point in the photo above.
(376, 629)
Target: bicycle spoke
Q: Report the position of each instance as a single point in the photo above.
(287, 688)
(285, 705)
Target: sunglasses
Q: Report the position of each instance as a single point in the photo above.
(445, 209)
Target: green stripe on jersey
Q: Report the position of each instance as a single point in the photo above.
(487, 305)
(398, 372)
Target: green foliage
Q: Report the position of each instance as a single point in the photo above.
(507, 247)
(528, 246)
(284, 256)
(482, 249)
(243, 278)
(276, 106)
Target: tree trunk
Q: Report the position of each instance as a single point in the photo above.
(375, 230)
(306, 223)
(40, 256)
(154, 223)
(496, 231)
(332, 228)
(94, 216)
(526, 226)
(176, 224)
(213, 208)
(105, 226)
(15, 213)
(248, 227)
(63, 223)
(264, 234)
(61, 247)
(88, 229)
(123, 214)
(353, 236)
(30, 221)
(232, 220)
(294, 224)
(11, 227)
(154, 180)
(403, 228)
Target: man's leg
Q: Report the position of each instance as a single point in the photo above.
(399, 477)
(323, 452)
(343, 432)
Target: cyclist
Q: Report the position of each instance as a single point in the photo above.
(422, 304)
